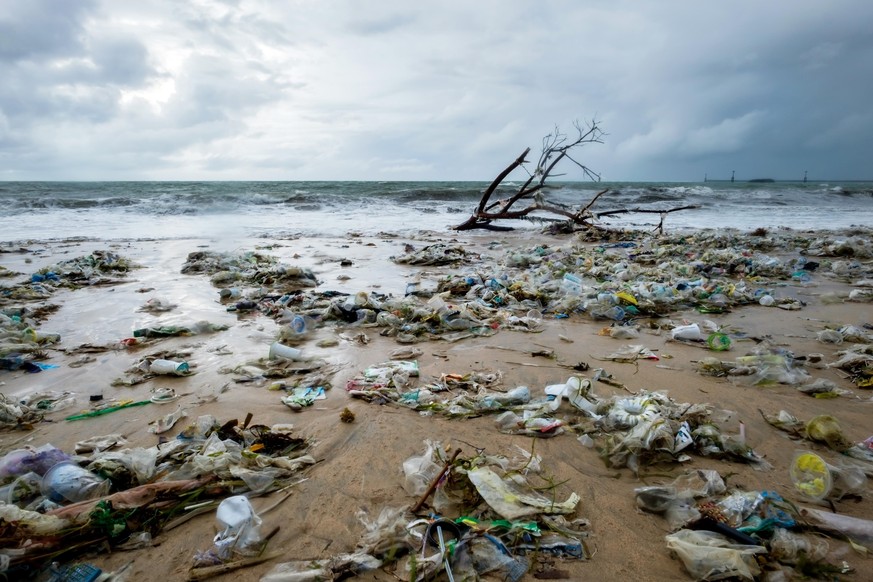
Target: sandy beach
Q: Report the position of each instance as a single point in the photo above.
(358, 464)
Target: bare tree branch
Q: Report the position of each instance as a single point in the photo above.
(556, 147)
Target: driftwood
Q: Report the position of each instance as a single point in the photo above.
(557, 147)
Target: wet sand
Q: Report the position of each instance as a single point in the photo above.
(359, 463)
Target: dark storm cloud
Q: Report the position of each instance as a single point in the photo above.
(449, 90)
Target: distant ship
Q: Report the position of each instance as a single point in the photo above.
(762, 180)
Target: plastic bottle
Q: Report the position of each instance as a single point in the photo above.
(278, 350)
(571, 284)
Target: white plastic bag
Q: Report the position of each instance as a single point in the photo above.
(241, 527)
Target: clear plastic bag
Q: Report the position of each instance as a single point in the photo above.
(241, 527)
(487, 554)
(710, 556)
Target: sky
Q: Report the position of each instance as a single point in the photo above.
(433, 90)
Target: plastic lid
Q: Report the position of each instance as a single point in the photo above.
(811, 475)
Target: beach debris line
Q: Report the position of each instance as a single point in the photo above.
(226, 269)
(557, 147)
(497, 514)
(642, 429)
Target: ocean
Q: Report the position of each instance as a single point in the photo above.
(130, 210)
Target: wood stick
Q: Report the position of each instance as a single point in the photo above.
(210, 571)
(435, 482)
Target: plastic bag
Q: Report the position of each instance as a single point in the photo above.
(826, 429)
(789, 548)
(241, 524)
(487, 554)
(676, 502)
(709, 556)
(829, 336)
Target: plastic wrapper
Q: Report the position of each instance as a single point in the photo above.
(256, 480)
(386, 532)
(710, 556)
(139, 463)
(536, 426)
(98, 444)
(737, 506)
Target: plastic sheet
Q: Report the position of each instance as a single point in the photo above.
(512, 501)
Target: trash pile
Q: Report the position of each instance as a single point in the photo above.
(21, 342)
(640, 429)
(858, 362)
(436, 254)
(719, 534)
(17, 416)
(225, 269)
(59, 503)
(490, 514)
(98, 268)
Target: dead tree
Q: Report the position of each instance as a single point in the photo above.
(557, 147)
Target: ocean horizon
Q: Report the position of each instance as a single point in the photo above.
(172, 209)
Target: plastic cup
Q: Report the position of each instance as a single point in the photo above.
(67, 481)
(687, 332)
(168, 367)
(811, 475)
(278, 350)
(298, 324)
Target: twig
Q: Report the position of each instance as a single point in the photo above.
(436, 481)
(209, 571)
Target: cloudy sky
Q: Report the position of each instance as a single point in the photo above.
(427, 90)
